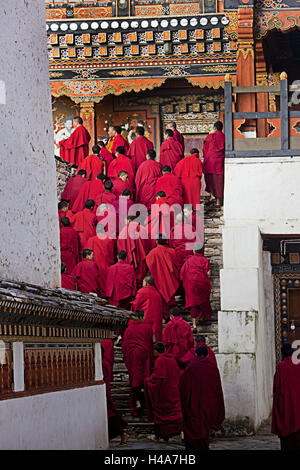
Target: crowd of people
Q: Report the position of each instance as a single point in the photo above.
(131, 232)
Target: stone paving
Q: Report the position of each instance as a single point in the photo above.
(263, 440)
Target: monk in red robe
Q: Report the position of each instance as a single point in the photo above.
(76, 147)
(182, 239)
(149, 300)
(130, 241)
(121, 162)
(121, 282)
(286, 392)
(176, 134)
(67, 281)
(161, 262)
(116, 424)
(137, 349)
(177, 336)
(69, 245)
(202, 401)
(90, 190)
(105, 155)
(122, 207)
(121, 183)
(189, 170)
(171, 185)
(118, 141)
(87, 274)
(213, 165)
(170, 150)
(103, 248)
(73, 187)
(110, 141)
(63, 210)
(191, 354)
(93, 164)
(160, 220)
(109, 353)
(194, 275)
(84, 222)
(145, 179)
(162, 396)
(139, 148)
(108, 197)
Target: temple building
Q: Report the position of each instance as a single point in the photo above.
(156, 61)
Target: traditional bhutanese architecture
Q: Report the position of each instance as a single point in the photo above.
(52, 393)
(191, 62)
(156, 61)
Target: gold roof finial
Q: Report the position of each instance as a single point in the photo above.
(283, 76)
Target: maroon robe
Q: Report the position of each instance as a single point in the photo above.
(120, 186)
(76, 147)
(90, 190)
(72, 189)
(106, 156)
(69, 248)
(162, 396)
(197, 284)
(286, 404)
(120, 282)
(84, 222)
(68, 282)
(92, 165)
(145, 181)
(116, 424)
(122, 163)
(170, 152)
(178, 337)
(62, 213)
(161, 262)
(87, 274)
(149, 300)
(108, 197)
(213, 165)
(109, 356)
(119, 141)
(179, 137)
(173, 188)
(182, 238)
(159, 221)
(134, 247)
(202, 400)
(103, 248)
(191, 354)
(137, 347)
(189, 170)
(137, 151)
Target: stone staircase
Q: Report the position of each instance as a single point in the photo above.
(139, 427)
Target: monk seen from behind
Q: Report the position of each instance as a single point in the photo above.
(137, 349)
(162, 396)
(202, 401)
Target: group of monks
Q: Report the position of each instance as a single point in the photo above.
(140, 264)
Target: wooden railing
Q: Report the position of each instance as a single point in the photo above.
(282, 141)
(48, 365)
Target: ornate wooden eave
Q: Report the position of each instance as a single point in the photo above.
(31, 311)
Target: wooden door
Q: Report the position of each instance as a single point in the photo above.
(294, 314)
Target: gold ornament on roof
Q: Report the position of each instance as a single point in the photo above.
(283, 76)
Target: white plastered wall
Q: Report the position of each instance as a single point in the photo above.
(261, 198)
(29, 232)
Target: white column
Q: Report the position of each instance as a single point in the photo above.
(98, 362)
(18, 361)
(29, 231)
